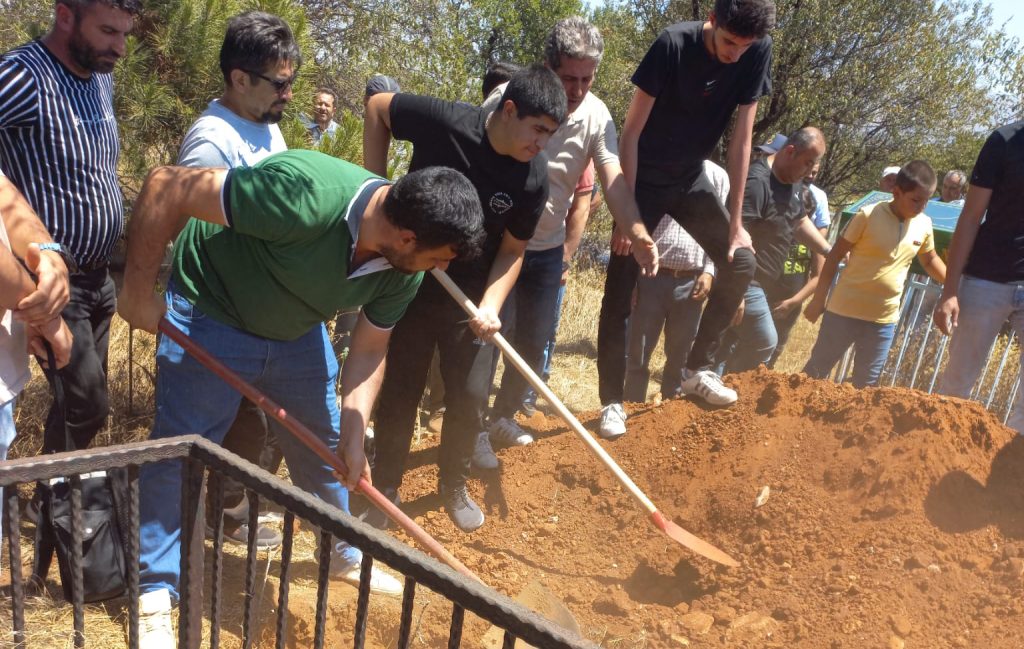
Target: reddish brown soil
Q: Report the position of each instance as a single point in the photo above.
(893, 516)
(894, 519)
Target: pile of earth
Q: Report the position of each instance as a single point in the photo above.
(892, 519)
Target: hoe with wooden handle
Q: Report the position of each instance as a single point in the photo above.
(310, 440)
(674, 531)
(535, 596)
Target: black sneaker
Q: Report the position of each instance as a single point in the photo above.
(461, 509)
(377, 518)
(266, 538)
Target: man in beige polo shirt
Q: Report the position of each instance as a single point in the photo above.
(573, 50)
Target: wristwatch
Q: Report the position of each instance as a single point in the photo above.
(64, 253)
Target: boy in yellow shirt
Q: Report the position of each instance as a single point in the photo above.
(882, 240)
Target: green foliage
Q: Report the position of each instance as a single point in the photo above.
(347, 141)
(886, 82)
(435, 47)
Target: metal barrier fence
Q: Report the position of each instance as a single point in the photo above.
(196, 456)
(919, 350)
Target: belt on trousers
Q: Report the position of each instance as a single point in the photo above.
(678, 274)
(91, 266)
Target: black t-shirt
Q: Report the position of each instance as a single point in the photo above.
(512, 193)
(771, 210)
(998, 252)
(695, 97)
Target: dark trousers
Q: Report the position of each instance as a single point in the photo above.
(694, 205)
(533, 306)
(91, 306)
(433, 318)
(250, 439)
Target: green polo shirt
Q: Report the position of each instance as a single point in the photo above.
(283, 265)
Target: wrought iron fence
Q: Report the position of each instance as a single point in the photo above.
(918, 354)
(198, 455)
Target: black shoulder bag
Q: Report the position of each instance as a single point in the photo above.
(103, 540)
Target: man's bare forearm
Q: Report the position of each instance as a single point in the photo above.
(169, 197)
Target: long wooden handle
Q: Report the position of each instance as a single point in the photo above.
(674, 531)
(306, 436)
(513, 357)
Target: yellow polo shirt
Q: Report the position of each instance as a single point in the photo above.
(884, 246)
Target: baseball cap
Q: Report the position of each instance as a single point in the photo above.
(381, 83)
(888, 171)
(773, 147)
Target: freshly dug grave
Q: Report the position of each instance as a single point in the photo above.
(893, 519)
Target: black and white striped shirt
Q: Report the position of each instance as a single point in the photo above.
(59, 145)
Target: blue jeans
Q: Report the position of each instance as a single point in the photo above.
(300, 375)
(549, 349)
(534, 304)
(752, 341)
(984, 307)
(871, 342)
(661, 301)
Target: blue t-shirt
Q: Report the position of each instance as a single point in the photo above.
(220, 138)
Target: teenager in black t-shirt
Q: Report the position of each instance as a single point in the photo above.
(985, 266)
(692, 80)
(501, 152)
(773, 214)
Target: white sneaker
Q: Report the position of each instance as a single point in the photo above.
(483, 454)
(708, 386)
(380, 582)
(613, 421)
(507, 432)
(155, 628)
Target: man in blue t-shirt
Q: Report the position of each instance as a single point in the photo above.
(259, 59)
(688, 86)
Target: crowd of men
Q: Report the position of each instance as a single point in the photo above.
(270, 244)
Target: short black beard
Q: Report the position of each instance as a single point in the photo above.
(271, 118)
(86, 56)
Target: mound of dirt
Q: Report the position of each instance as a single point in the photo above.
(892, 518)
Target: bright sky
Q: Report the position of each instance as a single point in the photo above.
(1012, 13)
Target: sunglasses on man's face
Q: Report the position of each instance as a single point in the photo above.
(280, 86)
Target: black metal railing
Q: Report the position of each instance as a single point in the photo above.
(198, 455)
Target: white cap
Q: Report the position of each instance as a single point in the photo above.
(889, 171)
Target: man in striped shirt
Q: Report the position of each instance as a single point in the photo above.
(59, 146)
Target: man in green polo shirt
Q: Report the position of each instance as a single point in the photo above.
(270, 253)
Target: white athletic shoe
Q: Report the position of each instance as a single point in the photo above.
(507, 432)
(613, 421)
(155, 628)
(380, 582)
(483, 454)
(708, 386)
